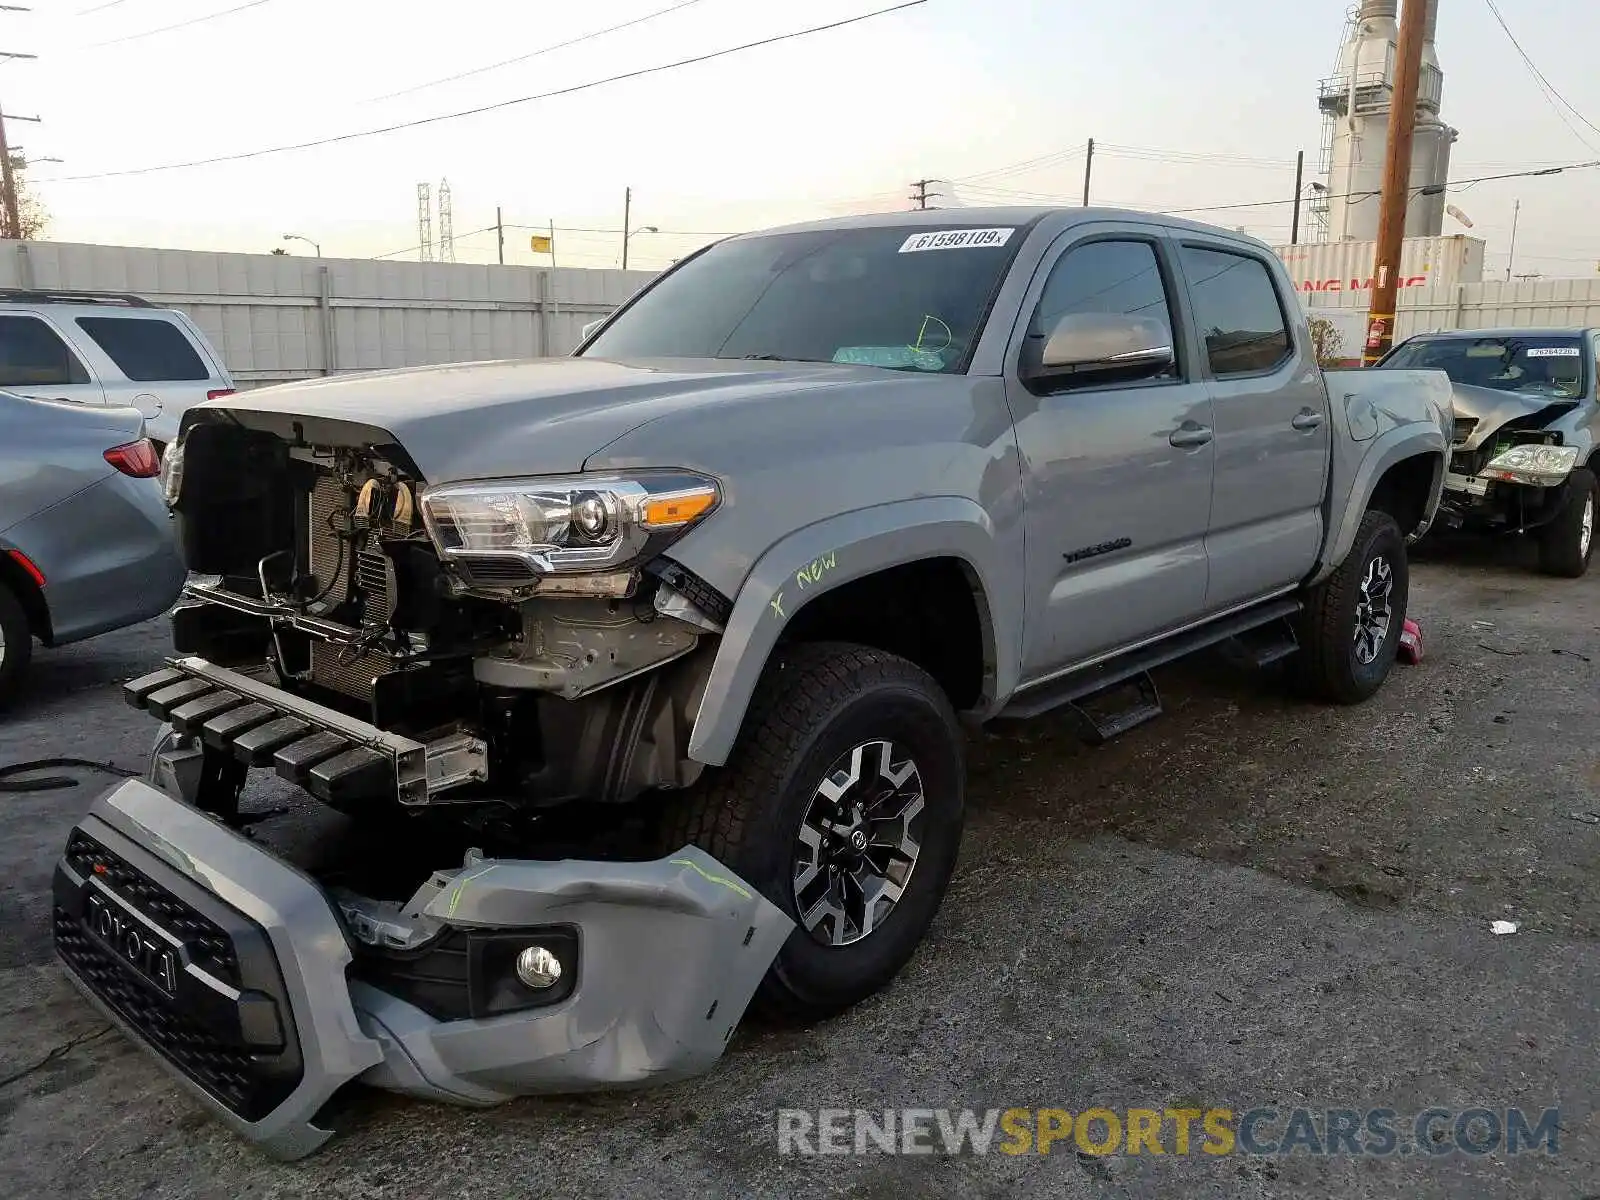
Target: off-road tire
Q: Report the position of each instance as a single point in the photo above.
(1561, 548)
(17, 646)
(815, 702)
(1327, 667)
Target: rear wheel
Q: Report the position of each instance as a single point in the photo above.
(16, 645)
(1351, 625)
(1567, 544)
(842, 803)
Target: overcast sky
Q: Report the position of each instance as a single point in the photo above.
(835, 122)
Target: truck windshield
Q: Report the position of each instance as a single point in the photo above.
(911, 298)
(1544, 366)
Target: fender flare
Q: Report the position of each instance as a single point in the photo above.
(1398, 444)
(815, 560)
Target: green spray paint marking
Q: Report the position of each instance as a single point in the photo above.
(810, 575)
(698, 870)
(461, 887)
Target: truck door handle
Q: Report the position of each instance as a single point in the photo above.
(1189, 435)
(1306, 419)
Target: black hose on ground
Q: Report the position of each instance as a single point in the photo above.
(51, 783)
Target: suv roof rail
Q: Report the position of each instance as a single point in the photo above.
(27, 296)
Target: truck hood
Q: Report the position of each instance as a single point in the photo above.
(1491, 408)
(540, 416)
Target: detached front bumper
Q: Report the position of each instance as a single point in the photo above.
(246, 979)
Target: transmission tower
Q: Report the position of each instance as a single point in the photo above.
(447, 237)
(424, 223)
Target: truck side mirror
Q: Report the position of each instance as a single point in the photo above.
(1101, 347)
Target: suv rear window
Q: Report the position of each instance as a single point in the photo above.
(32, 355)
(146, 349)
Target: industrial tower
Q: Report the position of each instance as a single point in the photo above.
(424, 224)
(447, 233)
(1355, 104)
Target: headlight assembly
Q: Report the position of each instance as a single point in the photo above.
(577, 524)
(1538, 465)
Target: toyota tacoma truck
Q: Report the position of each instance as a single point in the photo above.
(736, 571)
(1523, 455)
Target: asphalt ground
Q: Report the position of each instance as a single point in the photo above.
(1252, 904)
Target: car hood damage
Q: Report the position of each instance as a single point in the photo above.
(1489, 409)
(504, 419)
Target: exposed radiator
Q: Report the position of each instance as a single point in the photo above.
(364, 575)
(337, 668)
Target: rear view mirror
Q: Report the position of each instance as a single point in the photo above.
(1103, 346)
(583, 334)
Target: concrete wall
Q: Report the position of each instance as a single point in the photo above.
(278, 317)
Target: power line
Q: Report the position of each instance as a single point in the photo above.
(1042, 162)
(458, 237)
(484, 108)
(1545, 84)
(133, 37)
(84, 12)
(507, 62)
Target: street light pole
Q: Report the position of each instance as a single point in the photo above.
(297, 237)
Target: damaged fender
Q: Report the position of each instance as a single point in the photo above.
(819, 557)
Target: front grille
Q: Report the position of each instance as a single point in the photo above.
(210, 946)
(227, 1072)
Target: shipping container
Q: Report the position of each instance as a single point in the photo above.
(1340, 274)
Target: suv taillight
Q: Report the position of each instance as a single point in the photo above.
(138, 459)
(212, 395)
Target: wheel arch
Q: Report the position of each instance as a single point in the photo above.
(861, 549)
(15, 578)
(1403, 469)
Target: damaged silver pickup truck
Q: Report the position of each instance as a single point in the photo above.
(729, 573)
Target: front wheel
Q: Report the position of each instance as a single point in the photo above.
(1567, 544)
(842, 803)
(1351, 625)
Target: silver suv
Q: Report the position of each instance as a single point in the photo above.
(108, 349)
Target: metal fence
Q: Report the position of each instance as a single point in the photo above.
(281, 317)
(1519, 303)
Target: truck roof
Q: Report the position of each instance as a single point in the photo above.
(1018, 215)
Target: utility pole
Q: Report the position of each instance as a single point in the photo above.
(1299, 184)
(627, 211)
(8, 177)
(1088, 171)
(1516, 214)
(500, 234)
(1396, 180)
(921, 194)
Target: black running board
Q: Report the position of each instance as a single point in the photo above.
(1080, 685)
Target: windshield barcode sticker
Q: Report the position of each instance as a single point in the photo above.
(957, 239)
(1552, 352)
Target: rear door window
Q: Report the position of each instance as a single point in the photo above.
(33, 355)
(146, 349)
(1237, 309)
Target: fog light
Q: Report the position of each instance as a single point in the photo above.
(538, 967)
